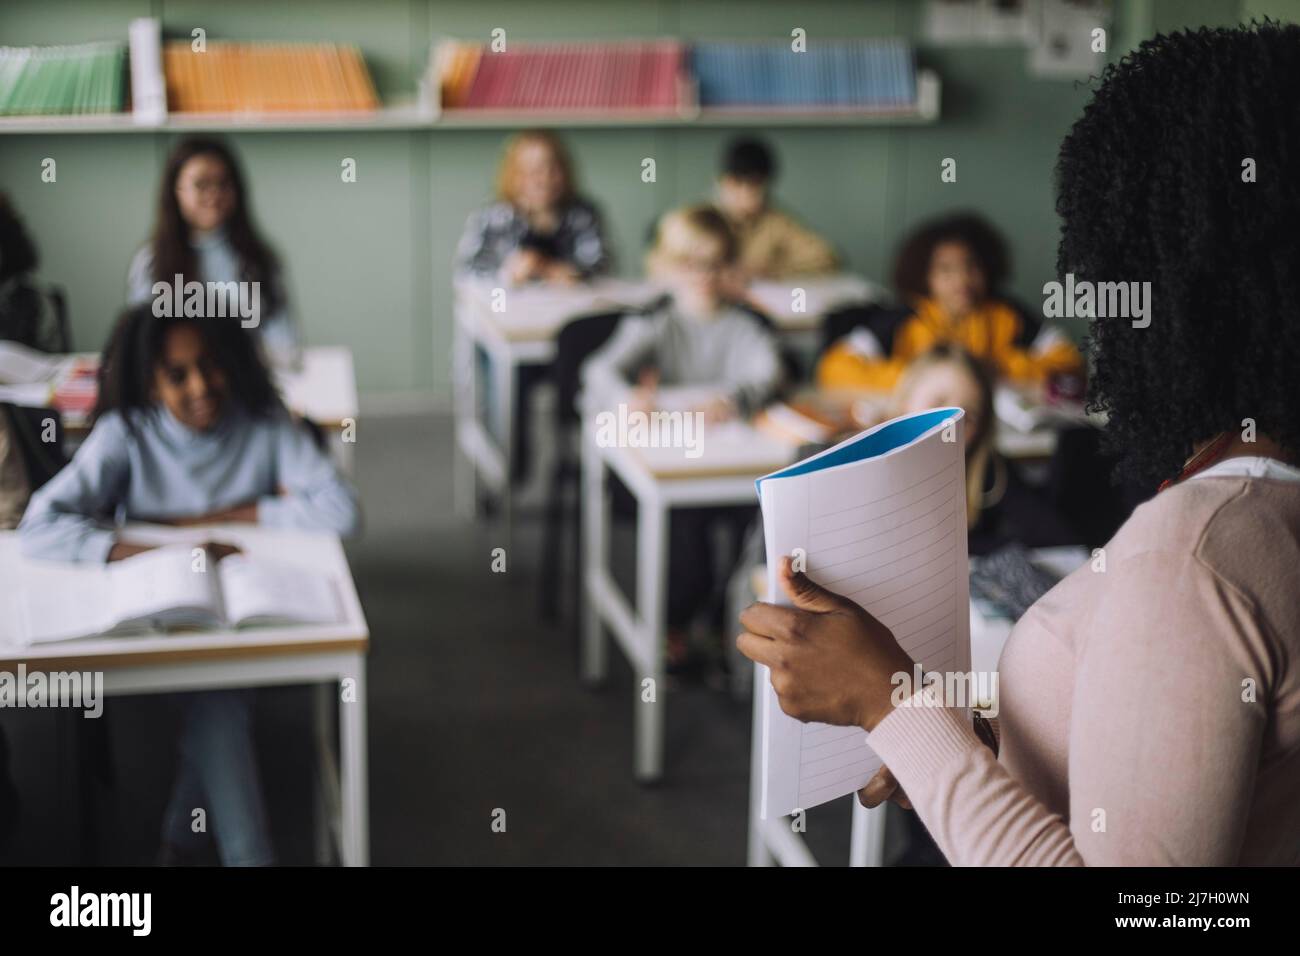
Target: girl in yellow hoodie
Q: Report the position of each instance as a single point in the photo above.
(949, 272)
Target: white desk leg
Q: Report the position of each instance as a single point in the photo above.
(867, 843)
(759, 854)
(355, 814)
(326, 791)
(595, 536)
(504, 371)
(465, 409)
(343, 454)
(651, 605)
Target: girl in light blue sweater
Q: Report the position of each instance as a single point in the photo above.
(204, 232)
(189, 430)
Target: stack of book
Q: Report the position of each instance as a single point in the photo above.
(830, 75)
(267, 78)
(576, 77)
(85, 78)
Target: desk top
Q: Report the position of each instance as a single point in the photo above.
(812, 296)
(538, 312)
(318, 551)
(325, 388)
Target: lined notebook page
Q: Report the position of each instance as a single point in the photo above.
(890, 533)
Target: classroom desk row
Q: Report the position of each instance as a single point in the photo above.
(517, 327)
(323, 389)
(325, 656)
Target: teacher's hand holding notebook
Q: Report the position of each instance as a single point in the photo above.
(831, 661)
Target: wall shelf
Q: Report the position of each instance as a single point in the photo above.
(411, 116)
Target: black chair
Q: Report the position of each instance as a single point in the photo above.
(1081, 486)
(575, 343)
(883, 321)
(317, 434)
(62, 327)
(41, 451)
(791, 368)
(42, 459)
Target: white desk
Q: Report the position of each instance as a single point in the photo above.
(514, 326)
(799, 303)
(324, 390)
(321, 655)
(659, 483)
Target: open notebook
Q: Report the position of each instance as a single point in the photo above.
(881, 519)
(161, 590)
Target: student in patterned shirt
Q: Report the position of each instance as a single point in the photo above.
(539, 229)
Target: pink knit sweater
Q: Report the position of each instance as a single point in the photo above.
(1150, 712)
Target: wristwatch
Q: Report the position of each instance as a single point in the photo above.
(984, 731)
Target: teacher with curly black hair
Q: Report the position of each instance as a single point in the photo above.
(1150, 707)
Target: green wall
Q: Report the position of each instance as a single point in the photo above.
(369, 262)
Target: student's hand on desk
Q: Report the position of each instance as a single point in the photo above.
(643, 398)
(644, 395)
(831, 661)
(561, 273)
(522, 265)
(242, 514)
(219, 549)
(735, 284)
(720, 409)
(122, 550)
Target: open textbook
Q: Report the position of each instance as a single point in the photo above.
(881, 519)
(171, 588)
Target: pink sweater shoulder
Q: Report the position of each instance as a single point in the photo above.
(1150, 711)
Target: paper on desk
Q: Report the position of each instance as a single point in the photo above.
(721, 448)
(20, 365)
(820, 294)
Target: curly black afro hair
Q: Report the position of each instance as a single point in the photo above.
(1151, 188)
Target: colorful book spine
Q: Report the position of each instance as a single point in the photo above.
(833, 75)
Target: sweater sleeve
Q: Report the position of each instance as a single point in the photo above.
(608, 372)
(844, 366)
(754, 366)
(139, 278)
(478, 253)
(68, 518)
(803, 252)
(1163, 750)
(315, 496)
(591, 252)
(280, 336)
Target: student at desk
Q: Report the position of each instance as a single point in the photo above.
(693, 337)
(771, 243)
(189, 430)
(1149, 703)
(204, 232)
(539, 229)
(950, 273)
